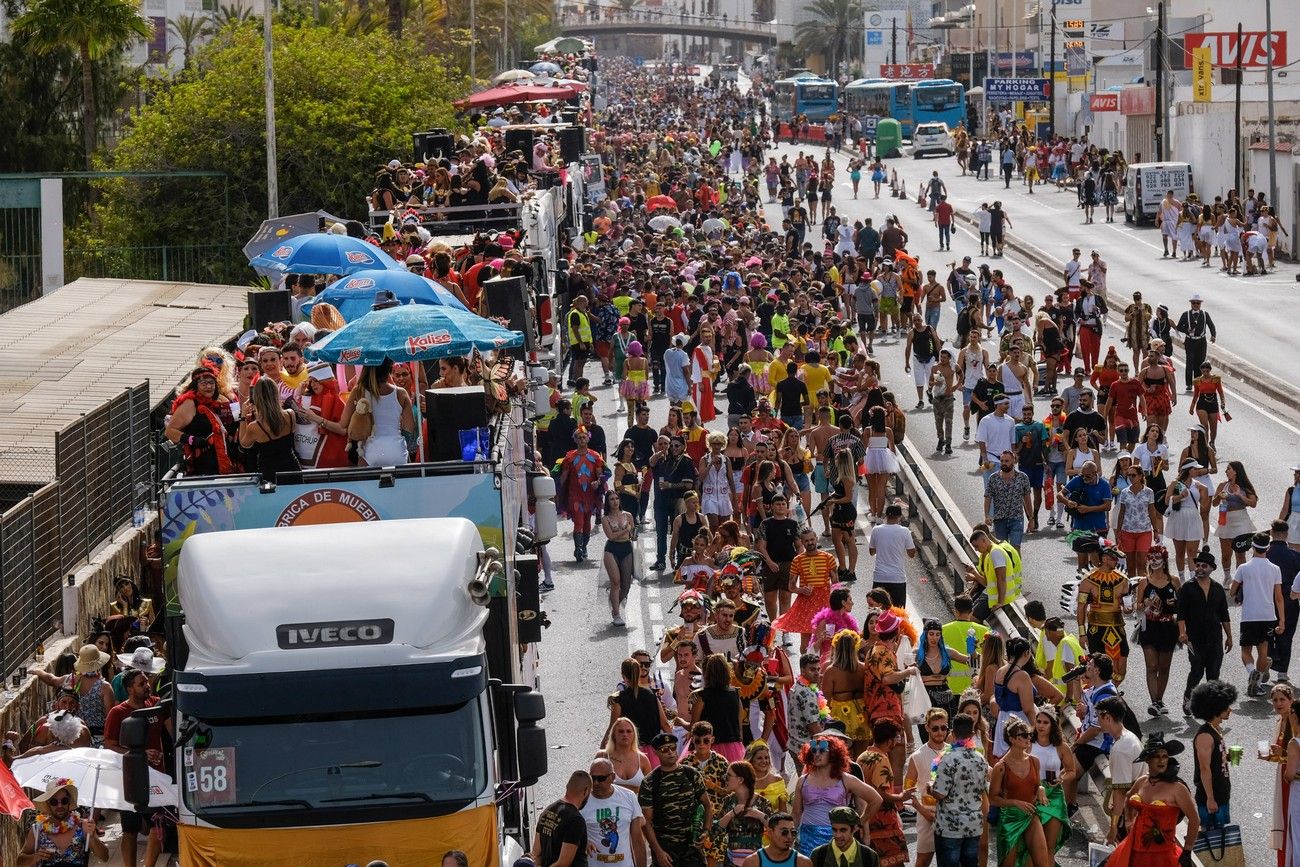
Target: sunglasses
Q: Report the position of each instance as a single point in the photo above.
(819, 747)
(600, 778)
(666, 748)
(938, 728)
(644, 663)
(60, 802)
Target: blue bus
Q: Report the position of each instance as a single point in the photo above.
(939, 101)
(882, 98)
(807, 94)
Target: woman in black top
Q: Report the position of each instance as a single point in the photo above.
(718, 704)
(1212, 703)
(639, 704)
(269, 427)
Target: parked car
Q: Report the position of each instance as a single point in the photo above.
(931, 138)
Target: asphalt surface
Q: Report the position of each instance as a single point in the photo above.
(1263, 435)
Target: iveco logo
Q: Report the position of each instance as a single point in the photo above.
(334, 633)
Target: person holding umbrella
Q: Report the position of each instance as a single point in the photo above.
(59, 835)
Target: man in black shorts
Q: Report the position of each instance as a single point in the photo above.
(777, 536)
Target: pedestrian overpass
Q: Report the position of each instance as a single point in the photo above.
(662, 23)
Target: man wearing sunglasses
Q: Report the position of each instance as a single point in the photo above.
(668, 798)
(780, 848)
(918, 768)
(615, 823)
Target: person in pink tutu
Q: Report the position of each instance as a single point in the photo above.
(837, 615)
(635, 387)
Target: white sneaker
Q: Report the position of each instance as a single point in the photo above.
(618, 619)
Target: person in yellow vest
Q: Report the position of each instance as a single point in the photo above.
(964, 633)
(580, 342)
(996, 576)
(1058, 652)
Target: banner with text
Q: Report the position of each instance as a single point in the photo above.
(907, 71)
(1017, 89)
(1202, 74)
(1254, 48)
(1103, 101)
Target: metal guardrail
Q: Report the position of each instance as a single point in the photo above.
(103, 471)
(463, 219)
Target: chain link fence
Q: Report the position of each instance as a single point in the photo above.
(103, 470)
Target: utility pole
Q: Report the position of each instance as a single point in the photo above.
(893, 41)
(1236, 138)
(1051, 76)
(272, 179)
(1272, 128)
(473, 39)
(1160, 81)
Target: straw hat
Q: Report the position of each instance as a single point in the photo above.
(90, 658)
(53, 787)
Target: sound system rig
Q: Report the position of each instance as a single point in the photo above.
(433, 145)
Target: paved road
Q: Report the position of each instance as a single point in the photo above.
(1260, 436)
(1244, 308)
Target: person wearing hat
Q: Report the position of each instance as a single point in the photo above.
(880, 698)
(669, 797)
(1099, 609)
(1258, 583)
(843, 850)
(1156, 805)
(87, 681)
(1195, 325)
(202, 423)
(1202, 613)
(59, 835)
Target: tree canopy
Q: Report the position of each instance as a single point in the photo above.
(344, 106)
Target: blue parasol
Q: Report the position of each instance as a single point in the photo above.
(545, 67)
(413, 332)
(324, 253)
(354, 295)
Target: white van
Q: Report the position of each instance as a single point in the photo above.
(1146, 184)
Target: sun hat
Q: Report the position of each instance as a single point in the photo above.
(90, 658)
(143, 659)
(887, 623)
(53, 787)
(1156, 743)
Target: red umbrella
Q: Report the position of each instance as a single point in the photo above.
(13, 800)
(509, 94)
(660, 201)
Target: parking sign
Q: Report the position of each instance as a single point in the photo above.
(1017, 89)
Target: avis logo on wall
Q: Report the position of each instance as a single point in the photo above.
(1254, 48)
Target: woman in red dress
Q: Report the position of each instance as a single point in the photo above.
(1156, 804)
(883, 682)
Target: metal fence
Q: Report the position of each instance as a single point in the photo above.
(190, 263)
(104, 470)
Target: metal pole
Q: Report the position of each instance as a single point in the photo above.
(473, 42)
(1236, 138)
(1051, 75)
(272, 181)
(1160, 81)
(505, 36)
(893, 41)
(1272, 128)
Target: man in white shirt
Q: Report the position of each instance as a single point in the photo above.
(891, 544)
(995, 434)
(1123, 767)
(1073, 273)
(1258, 583)
(614, 820)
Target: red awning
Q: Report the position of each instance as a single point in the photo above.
(508, 94)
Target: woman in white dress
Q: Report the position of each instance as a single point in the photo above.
(1183, 516)
(390, 412)
(881, 462)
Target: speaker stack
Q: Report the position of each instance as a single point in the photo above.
(450, 411)
(520, 140)
(573, 142)
(507, 298)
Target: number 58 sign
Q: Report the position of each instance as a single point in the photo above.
(211, 777)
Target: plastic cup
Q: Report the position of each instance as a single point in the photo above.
(1234, 754)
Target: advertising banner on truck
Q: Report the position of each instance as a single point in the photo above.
(237, 503)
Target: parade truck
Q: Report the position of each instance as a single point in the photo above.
(352, 660)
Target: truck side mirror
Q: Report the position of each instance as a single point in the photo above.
(530, 707)
(135, 765)
(531, 744)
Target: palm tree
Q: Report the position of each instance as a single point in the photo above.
(231, 15)
(190, 30)
(834, 31)
(93, 29)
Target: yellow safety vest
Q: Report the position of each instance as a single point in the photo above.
(989, 571)
(584, 327)
(954, 636)
(1058, 666)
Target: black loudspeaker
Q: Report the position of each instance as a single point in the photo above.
(528, 600)
(520, 140)
(432, 145)
(265, 307)
(573, 142)
(450, 411)
(507, 299)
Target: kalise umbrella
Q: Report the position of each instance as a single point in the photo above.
(354, 295)
(413, 332)
(324, 253)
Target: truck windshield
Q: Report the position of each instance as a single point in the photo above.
(432, 756)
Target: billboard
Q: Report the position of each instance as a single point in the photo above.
(1254, 48)
(1103, 101)
(907, 71)
(1017, 89)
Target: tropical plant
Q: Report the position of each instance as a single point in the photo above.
(834, 31)
(231, 15)
(190, 30)
(94, 29)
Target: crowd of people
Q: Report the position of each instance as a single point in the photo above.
(757, 327)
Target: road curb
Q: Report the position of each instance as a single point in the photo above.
(1230, 363)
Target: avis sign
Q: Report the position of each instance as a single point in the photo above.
(1254, 48)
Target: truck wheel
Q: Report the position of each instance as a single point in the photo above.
(916, 155)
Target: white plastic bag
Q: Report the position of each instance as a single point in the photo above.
(916, 701)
